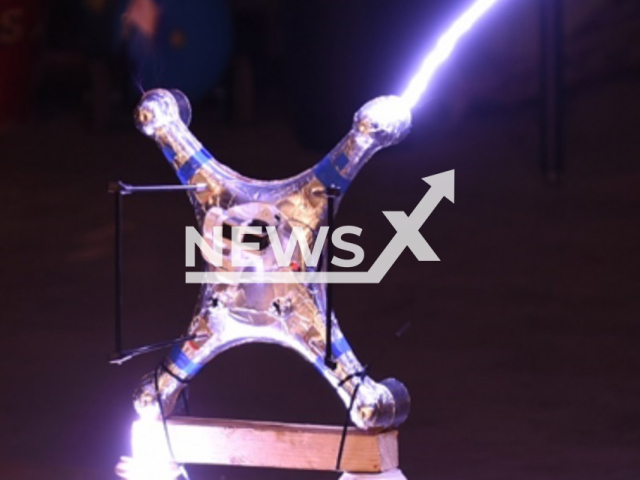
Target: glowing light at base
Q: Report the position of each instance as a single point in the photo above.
(443, 49)
(151, 458)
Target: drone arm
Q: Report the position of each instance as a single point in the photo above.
(380, 123)
(161, 116)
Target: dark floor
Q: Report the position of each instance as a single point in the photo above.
(523, 359)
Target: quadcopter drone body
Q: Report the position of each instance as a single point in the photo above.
(289, 314)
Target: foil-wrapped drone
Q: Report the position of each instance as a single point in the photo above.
(288, 314)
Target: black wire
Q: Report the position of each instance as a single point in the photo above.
(118, 270)
(167, 370)
(119, 358)
(119, 190)
(161, 407)
(184, 395)
(183, 471)
(361, 374)
(332, 193)
(345, 426)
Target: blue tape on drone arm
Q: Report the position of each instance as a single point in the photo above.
(168, 152)
(341, 161)
(340, 346)
(182, 362)
(189, 168)
(326, 171)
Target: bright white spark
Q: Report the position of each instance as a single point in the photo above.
(442, 51)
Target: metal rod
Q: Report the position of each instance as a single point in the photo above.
(126, 189)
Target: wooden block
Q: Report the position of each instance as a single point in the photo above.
(280, 445)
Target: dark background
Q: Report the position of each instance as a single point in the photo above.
(523, 357)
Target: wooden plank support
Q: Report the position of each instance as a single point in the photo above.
(280, 445)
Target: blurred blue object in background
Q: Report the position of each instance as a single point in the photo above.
(176, 44)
